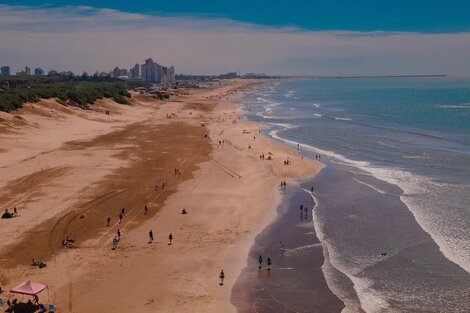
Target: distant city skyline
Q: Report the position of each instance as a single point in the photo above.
(217, 41)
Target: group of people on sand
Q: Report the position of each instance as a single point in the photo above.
(287, 162)
(303, 209)
(40, 264)
(283, 185)
(170, 238)
(28, 306)
(317, 157)
(68, 242)
(122, 214)
(157, 187)
(268, 261)
(8, 214)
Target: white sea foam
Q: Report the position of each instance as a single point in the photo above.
(343, 118)
(317, 114)
(316, 105)
(455, 106)
(420, 193)
(386, 144)
(370, 300)
(369, 185)
(284, 125)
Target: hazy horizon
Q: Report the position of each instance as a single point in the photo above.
(216, 40)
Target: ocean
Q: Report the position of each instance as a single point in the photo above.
(392, 207)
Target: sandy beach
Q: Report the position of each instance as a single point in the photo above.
(68, 170)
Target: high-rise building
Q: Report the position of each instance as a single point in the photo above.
(171, 74)
(5, 71)
(153, 72)
(143, 69)
(38, 71)
(116, 72)
(27, 70)
(122, 72)
(136, 71)
(150, 75)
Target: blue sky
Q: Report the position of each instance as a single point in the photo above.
(355, 37)
(356, 15)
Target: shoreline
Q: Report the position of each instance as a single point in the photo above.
(250, 292)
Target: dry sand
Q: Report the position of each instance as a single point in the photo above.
(67, 170)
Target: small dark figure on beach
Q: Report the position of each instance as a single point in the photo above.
(311, 189)
(183, 211)
(306, 210)
(108, 221)
(282, 246)
(163, 185)
(123, 212)
(170, 238)
(119, 233)
(269, 263)
(260, 261)
(115, 241)
(146, 210)
(7, 214)
(150, 236)
(222, 277)
(301, 208)
(384, 254)
(120, 218)
(15, 211)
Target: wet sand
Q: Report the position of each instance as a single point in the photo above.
(295, 282)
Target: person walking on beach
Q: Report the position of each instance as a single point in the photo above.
(145, 210)
(115, 241)
(269, 263)
(306, 211)
(260, 261)
(170, 238)
(123, 212)
(108, 222)
(120, 218)
(301, 208)
(150, 236)
(222, 277)
(15, 212)
(311, 189)
(119, 234)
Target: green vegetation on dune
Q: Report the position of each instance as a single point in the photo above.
(82, 92)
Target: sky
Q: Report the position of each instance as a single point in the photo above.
(296, 37)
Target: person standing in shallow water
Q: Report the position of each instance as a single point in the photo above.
(269, 263)
(260, 261)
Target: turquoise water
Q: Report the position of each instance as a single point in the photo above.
(398, 180)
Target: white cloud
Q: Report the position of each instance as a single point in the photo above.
(86, 38)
